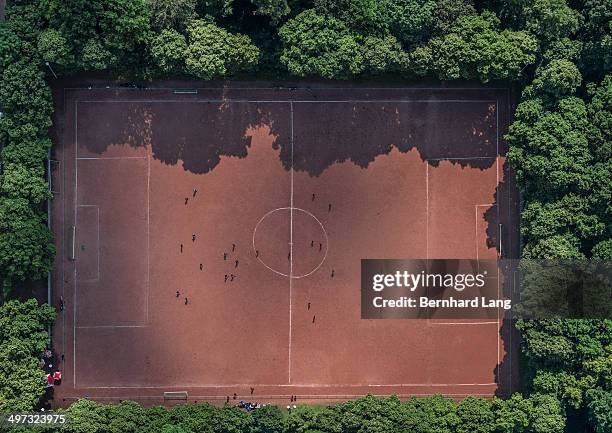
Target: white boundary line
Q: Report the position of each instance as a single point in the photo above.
(295, 101)
(76, 199)
(297, 385)
(63, 246)
(291, 209)
(460, 158)
(321, 397)
(111, 157)
(466, 323)
(427, 212)
(148, 288)
(291, 253)
(288, 87)
(111, 326)
(498, 221)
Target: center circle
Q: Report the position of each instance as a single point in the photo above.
(290, 241)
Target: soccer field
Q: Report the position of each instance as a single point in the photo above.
(210, 241)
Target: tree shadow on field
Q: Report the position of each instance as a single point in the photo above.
(198, 133)
(330, 133)
(200, 137)
(502, 225)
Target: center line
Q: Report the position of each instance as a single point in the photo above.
(291, 246)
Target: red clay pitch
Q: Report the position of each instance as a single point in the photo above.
(285, 191)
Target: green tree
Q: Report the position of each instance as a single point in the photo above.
(24, 20)
(268, 419)
(568, 357)
(599, 111)
(366, 17)
(370, 414)
(512, 415)
(319, 45)
(22, 382)
(276, 10)
(410, 21)
(569, 216)
(596, 36)
(565, 246)
(550, 148)
(550, 19)
(125, 417)
(382, 55)
(476, 48)
(567, 388)
(25, 97)
(558, 79)
(103, 33)
(26, 244)
(23, 337)
(547, 416)
(158, 419)
(94, 56)
(430, 414)
(600, 410)
(87, 416)
(213, 52)
(217, 8)
(207, 418)
(307, 418)
(168, 428)
(476, 416)
(10, 46)
(447, 12)
(565, 48)
(602, 250)
(53, 47)
(560, 149)
(171, 14)
(169, 50)
(21, 181)
(25, 151)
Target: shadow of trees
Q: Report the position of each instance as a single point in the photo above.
(330, 133)
(323, 134)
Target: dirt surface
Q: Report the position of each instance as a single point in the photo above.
(218, 237)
